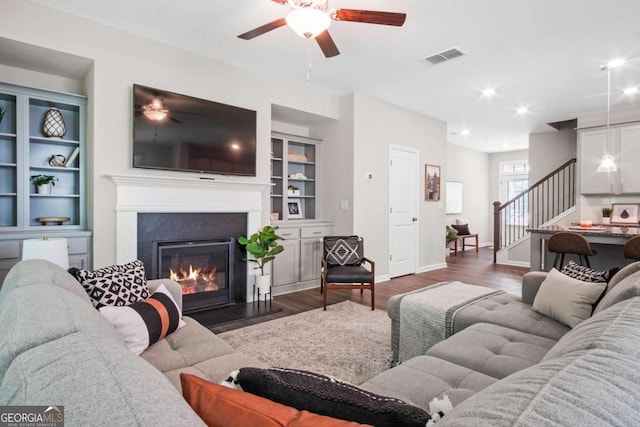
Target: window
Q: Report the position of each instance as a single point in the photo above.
(514, 179)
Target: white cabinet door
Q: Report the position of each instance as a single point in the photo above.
(286, 266)
(310, 259)
(593, 145)
(629, 165)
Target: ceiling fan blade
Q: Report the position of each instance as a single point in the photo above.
(263, 29)
(327, 45)
(370, 17)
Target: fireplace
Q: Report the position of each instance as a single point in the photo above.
(203, 268)
(199, 251)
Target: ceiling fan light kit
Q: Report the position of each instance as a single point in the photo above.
(308, 22)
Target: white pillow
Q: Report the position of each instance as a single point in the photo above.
(145, 322)
(566, 299)
(462, 221)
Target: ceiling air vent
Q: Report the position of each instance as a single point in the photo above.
(444, 56)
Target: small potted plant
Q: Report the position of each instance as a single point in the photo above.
(606, 215)
(43, 183)
(452, 236)
(263, 247)
(292, 190)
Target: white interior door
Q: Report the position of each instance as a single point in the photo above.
(403, 211)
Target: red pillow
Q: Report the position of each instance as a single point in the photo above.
(220, 406)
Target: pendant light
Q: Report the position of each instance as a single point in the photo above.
(608, 163)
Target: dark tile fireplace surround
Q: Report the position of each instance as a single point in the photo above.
(165, 240)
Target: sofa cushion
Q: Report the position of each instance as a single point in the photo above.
(505, 310)
(614, 329)
(39, 272)
(117, 285)
(36, 314)
(421, 379)
(623, 273)
(328, 396)
(145, 322)
(220, 406)
(626, 288)
(97, 380)
(492, 350)
(566, 299)
(587, 388)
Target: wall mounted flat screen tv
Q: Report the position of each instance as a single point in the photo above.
(179, 132)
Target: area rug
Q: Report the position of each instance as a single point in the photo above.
(348, 341)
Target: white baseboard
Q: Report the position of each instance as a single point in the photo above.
(383, 278)
(514, 263)
(425, 268)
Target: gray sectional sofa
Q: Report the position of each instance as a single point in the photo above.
(504, 366)
(56, 349)
(508, 365)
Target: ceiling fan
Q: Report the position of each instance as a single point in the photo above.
(311, 18)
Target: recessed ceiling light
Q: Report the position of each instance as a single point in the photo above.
(631, 90)
(522, 110)
(465, 132)
(488, 92)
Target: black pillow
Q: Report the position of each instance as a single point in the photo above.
(328, 396)
(462, 229)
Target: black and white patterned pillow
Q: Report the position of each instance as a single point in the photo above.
(116, 285)
(585, 274)
(343, 250)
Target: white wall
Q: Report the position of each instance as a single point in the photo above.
(549, 150)
(377, 125)
(121, 59)
(471, 168)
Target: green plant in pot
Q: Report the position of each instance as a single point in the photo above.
(263, 247)
(606, 215)
(452, 234)
(44, 183)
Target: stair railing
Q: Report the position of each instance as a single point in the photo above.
(544, 200)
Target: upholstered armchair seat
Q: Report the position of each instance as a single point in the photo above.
(348, 274)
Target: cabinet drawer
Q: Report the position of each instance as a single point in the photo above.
(77, 245)
(289, 233)
(315, 232)
(10, 249)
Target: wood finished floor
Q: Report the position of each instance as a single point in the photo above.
(469, 267)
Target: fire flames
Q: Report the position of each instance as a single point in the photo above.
(195, 280)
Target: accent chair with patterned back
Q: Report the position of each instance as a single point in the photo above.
(343, 266)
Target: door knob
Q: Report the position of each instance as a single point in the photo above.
(414, 219)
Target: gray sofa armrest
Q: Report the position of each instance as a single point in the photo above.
(530, 284)
(171, 285)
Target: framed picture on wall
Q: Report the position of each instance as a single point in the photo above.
(294, 208)
(624, 213)
(431, 182)
(453, 197)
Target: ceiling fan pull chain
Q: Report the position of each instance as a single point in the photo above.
(308, 59)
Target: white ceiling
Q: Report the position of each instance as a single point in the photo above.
(545, 54)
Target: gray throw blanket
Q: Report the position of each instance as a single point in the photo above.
(426, 316)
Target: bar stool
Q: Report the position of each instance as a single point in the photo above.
(565, 242)
(632, 248)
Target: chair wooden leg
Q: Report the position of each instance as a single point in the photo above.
(324, 300)
(561, 260)
(361, 289)
(373, 297)
(321, 284)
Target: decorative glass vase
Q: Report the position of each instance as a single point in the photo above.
(53, 125)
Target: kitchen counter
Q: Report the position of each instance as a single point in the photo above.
(607, 240)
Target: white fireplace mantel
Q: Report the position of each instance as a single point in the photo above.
(160, 194)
